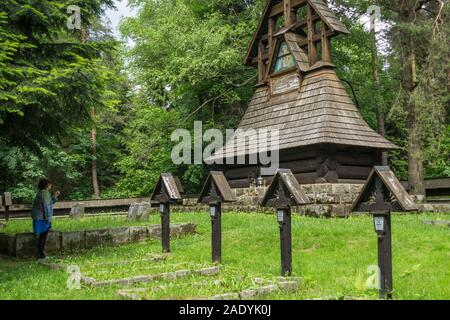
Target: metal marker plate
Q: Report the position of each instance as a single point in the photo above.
(213, 211)
(280, 216)
(161, 208)
(379, 223)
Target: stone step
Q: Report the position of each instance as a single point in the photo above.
(154, 277)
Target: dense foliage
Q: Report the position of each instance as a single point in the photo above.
(185, 64)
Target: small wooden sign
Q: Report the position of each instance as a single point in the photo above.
(383, 191)
(7, 199)
(168, 189)
(216, 189)
(284, 191)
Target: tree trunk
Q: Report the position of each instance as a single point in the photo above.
(376, 84)
(408, 81)
(95, 186)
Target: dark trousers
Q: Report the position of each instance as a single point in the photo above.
(41, 245)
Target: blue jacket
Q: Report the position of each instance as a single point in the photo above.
(43, 206)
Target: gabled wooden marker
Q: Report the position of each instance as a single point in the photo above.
(283, 193)
(381, 195)
(216, 191)
(168, 191)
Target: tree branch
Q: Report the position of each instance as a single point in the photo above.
(217, 97)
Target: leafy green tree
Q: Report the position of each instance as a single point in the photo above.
(49, 81)
(147, 144)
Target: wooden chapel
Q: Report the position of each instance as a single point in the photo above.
(322, 136)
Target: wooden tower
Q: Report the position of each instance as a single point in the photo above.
(322, 136)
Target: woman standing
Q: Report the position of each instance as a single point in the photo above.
(42, 214)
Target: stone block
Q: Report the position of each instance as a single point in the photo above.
(323, 188)
(73, 240)
(132, 212)
(239, 192)
(208, 271)
(268, 289)
(188, 228)
(53, 242)
(189, 202)
(345, 198)
(95, 238)
(326, 198)
(312, 197)
(356, 188)
(226, 296)
(138, 234)
(290, 286)
(120, 236)
(261, 191)
(341, 210)
(140, 211)
(318, 210)
(307, 188)
(25, 245)
(77, 211)
(154, 232)
(340, 188)
(175, 230)
(182, 273)
(248, 294)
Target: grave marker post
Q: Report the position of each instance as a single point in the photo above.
(168, 191)
(381, 195)
(7, 202)
(216, 191)
(283, 193)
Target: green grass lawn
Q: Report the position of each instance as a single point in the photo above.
(332, 256)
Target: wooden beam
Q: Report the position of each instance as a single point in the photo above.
(304, 23)
(315, 38)
(304, 43)
(270, 33)
(312, 48)
(261, 63)
(289, 14)
(353, 172)
(326, 48)
(278, 9)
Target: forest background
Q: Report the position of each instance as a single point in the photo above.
(94, 113)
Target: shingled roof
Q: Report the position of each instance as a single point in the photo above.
(319, 6)
(328, 16)
(320, 113)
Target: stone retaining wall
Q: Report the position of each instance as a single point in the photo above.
(23, 245)
(327, 200)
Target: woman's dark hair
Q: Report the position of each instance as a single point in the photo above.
(44, 183)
